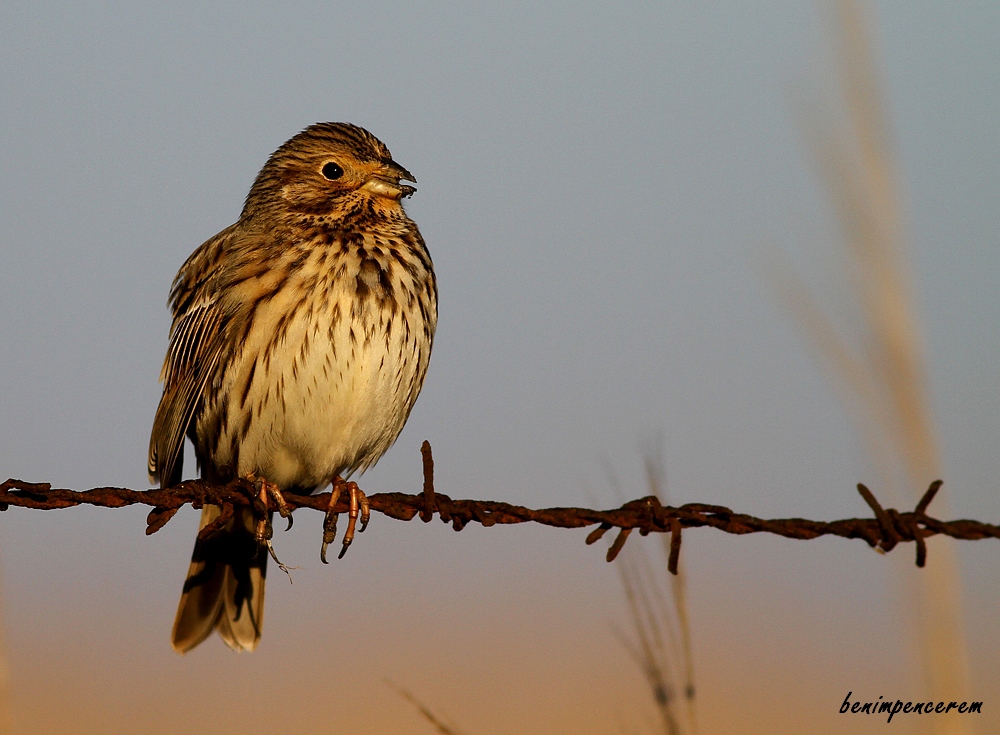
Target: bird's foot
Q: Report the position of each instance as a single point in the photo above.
(274, 492)
(330, 520)
(264, 531)
(265, 490)
(359, 502)
(359, 507)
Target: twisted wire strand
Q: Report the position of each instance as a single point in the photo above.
(888, 528)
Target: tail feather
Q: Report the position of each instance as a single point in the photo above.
(224, 589)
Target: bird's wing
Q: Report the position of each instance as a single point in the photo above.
(197, 342)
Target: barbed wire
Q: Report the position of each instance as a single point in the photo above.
(885, 531)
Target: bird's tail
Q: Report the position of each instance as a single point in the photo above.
(224, 589)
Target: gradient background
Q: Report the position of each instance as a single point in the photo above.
(598, 185)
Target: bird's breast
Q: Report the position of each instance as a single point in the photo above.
(332, 355)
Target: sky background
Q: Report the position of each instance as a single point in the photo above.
(599, 185)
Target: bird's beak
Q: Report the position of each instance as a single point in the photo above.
(385, 181)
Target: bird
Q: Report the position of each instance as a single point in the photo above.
(300, 339)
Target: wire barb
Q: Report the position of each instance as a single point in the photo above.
(427, 512)
(618, 544)
(675, 546)
(889, 537)
(594, 536)
(928, 497)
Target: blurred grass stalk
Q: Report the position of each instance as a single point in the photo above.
(5, 719)
(662, 637)
(884, 377)
(437, 722)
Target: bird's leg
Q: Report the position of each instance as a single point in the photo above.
(279, 500)
(264, 531)
(330, 521)
(358, 498)
(261, 531)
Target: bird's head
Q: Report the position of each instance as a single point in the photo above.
(330, 170)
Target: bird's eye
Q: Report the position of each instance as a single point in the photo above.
(332, 171)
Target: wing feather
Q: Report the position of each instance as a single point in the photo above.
(197, 342)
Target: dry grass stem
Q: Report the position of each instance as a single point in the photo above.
(884, 377)
(439, 725)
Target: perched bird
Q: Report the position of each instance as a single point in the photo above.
(300, 339)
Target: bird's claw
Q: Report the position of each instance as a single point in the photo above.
(359, 506)
(330, 520)
(358, 503)
(264, 531)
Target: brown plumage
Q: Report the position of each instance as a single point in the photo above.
(300, 340)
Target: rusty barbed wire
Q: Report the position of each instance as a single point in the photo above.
(884, 532)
